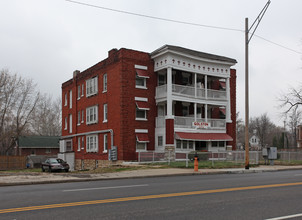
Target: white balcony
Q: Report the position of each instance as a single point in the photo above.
(187, 122)
(189, 91)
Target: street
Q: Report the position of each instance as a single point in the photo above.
(229, 196)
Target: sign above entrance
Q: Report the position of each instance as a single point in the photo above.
(197, 124)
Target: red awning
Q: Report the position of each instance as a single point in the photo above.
(142, 138)
(203, 136)
(142, 73)
(222, 84)
(142, 105)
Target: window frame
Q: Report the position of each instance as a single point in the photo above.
(142, 143)
(105, 113)
(105, 82)
(91, 86)
(92, 111)
(143, 79)
(105, 143)
(92, 143)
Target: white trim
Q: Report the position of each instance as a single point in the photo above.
(141, 87)
(140, 67)
(141, 131)
(141, 99)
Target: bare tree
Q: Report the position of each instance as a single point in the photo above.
(263, 127)
(292, 99)
(18, 100)
(46, 119)
(294, 119)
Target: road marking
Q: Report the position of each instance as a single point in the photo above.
(285, 217)
(100, 188)
(137, 198)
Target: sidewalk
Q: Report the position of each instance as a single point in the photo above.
(10, 179)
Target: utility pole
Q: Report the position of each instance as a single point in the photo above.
(247, 40)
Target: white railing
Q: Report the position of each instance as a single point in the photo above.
(215, 94)
(161, 91)
(183, 90)
(187, 122)
(189, 91)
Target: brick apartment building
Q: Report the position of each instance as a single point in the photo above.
(172, 99)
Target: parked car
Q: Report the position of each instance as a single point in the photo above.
(55, 164)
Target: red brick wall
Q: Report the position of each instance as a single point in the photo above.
(169, 131)
(120, 98)
(231, 127)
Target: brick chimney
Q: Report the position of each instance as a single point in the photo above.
(75, 73)
(111, 52)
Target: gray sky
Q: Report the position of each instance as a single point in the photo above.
(46, 40)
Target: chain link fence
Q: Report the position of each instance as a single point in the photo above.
(236, 157)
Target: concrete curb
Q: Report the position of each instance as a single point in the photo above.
(200, 172)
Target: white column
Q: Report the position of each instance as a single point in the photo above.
(206, 86)
(169, 93)
(195, 83)
(206, 112)
(228, 96)
(195, 111)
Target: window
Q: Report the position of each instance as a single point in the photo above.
(70, 123)
(82, 90)
(161, 80)
(105, 143)
(82, 116)
(218, 143)
(105, 82)
(66, 123)
(48, 150)
(141, 146)
(91, 86)
(68, 145)
(79, 92)
(70, 99)
(178, 144)
(79, 117)
(141, 114)
(65, 104)
(160, 140)
(184, 144)
(191, 145)
(140, 82)
(79, 144)
(105, 112)
(92, 143)
(92, 115)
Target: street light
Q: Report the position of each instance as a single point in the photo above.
(247, 40)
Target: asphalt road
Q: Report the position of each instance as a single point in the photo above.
(229, 196)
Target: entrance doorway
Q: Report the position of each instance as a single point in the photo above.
(200, 145)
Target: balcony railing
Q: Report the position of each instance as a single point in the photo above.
(187, 122)
(189, 91)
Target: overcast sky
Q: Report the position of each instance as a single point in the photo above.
(46, 40)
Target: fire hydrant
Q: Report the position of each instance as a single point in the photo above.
(196, 164)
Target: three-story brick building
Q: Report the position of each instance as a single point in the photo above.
(173, 98)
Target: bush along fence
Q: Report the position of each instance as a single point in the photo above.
(236, 157)
(12, 162)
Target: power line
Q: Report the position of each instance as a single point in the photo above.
(153, 17)
(179, 22)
